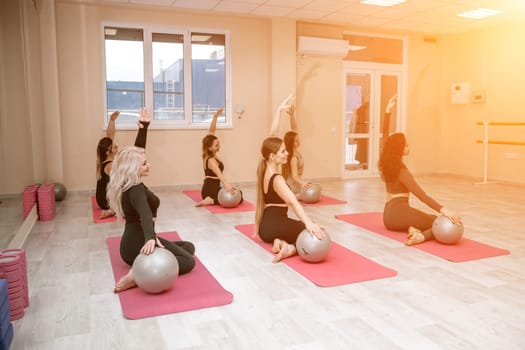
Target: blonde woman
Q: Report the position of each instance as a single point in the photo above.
(133, 201)
(272, 223)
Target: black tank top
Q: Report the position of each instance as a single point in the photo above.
(271, 197)
(208, 171)
(103, 174)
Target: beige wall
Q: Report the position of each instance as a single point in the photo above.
(491, 60)
(423, 124)
(15, 129)
(175, 154)
(50, 127)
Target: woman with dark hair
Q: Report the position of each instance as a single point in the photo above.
(293, 169)
(272, 224)
(398, 215)
(213, 167)
(106, 150)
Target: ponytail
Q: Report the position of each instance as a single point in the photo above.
(259, 208)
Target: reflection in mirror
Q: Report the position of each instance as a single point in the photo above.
(357, 120)
(11, 218)
(389, 91)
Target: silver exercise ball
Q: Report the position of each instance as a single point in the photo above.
(445, 231)
(311, 194)
(60, 191)
(229, 200)
(311, 248)
(156, 272)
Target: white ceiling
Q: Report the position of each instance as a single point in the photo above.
(422, 16)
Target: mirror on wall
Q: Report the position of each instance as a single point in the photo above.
(11, 218)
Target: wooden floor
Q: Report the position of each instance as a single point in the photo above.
(431, 304)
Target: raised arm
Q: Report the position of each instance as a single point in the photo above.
(391, 103)
(110, 132)
(274, 129)
(143, 123)
(293, 119)
(289, 197)
(213, 125)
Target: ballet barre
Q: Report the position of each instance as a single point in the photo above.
(486, 143)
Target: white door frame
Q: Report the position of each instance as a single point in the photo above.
(375, 70)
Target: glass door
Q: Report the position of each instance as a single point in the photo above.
(367, 92)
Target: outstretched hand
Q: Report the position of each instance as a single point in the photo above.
(454, 218)
(288, 102)
(229, 188)
(291, 109)
(144, 116)
(391, 103)
(150, 245)
(316, 230)
(114, 116)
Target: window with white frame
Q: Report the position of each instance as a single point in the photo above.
(181, 76)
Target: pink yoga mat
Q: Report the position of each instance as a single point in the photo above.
(325, 200)
(97, 211)
(465, 250)
(217, 209)
(195, 290)
(342, 266)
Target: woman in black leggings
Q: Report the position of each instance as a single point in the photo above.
(213, 167)
(272, 223)
(133, 201)
(398, 215)
(106, 150)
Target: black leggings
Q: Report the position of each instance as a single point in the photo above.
(275, 223)
(133, 240)
(211, 188)
(398, 215)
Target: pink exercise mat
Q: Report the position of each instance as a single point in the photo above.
(217, 209)
(324, 200)
(195, 290)
(342, 266)
(97, 211)
(465, 250)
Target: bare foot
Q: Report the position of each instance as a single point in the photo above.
(106, 214)
(286, 251)
(204, 202)
(277, 245)
(125, 282)
(414, 236)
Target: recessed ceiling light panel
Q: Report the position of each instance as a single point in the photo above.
(479, 13)
(382, 2)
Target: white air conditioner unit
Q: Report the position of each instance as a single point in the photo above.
(312, 46)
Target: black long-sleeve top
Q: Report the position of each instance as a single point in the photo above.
(140, 205)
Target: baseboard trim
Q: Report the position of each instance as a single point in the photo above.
(18, 240)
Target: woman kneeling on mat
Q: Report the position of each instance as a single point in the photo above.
(134, 202)
(213, 167)
(398, 215)
(106, 150)
(272, 224)
(293, 169)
